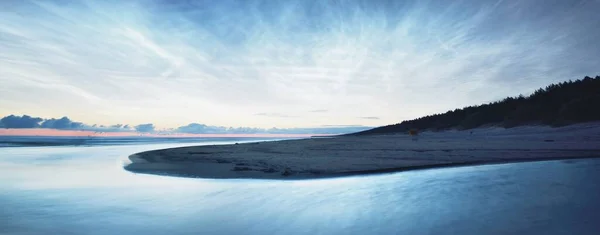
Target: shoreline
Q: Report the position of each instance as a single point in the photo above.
(381, 171)
(364, 155)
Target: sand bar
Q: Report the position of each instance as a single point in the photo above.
(342, 156)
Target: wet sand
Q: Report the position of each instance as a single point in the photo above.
(352, 155)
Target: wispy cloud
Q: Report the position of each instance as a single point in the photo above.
(370, 118)
(319, 111)
(169, 62)
(196, 128)
(276, 115)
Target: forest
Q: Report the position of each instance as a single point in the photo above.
(556, 105)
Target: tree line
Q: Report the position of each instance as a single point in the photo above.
(556, 105)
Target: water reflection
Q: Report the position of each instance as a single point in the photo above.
(84, 190)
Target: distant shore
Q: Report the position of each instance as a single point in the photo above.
(357, 155)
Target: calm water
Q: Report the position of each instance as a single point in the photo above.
(84, 190)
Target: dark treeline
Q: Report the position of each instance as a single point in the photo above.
(557, 105)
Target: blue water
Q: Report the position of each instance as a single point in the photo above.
(33, 141)
(84, 190)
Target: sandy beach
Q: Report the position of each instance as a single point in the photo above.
(355, 155)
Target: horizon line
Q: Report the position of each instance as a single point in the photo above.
(44, 132)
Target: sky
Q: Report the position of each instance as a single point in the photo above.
(284, 64)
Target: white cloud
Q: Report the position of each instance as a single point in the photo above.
(223, 63)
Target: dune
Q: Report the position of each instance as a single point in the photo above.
(355, 155)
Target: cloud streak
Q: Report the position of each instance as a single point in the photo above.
(370, 118)
(196, 128)
(319, 111)
(225, 61)
(275, 115)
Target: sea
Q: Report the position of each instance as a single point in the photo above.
(79, 186)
